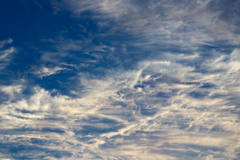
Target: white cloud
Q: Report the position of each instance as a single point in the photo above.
(188, 24)
(5, 54)
(44, 71)
(12, 90)
(170, 116)
(3, 43)
(115, 7)
(160, 109)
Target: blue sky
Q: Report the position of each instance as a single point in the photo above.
(119, 79)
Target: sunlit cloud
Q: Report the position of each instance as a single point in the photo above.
(172, 112)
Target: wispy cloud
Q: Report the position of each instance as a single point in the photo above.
(3, 43)
(176, 99)
(5, 54)
(162, 109)
(183, 23)
(44, 72)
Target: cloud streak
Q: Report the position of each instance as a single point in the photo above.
(5, 54)
(44, 72)
(182, 23)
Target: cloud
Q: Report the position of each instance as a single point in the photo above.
(44, 72)
(167, 91)
(12, 90)
(160, 109)
(186, 24)
(5, 54)
(3, 43)
(116, 7)
(74, 50)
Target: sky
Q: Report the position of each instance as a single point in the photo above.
(120, 79)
